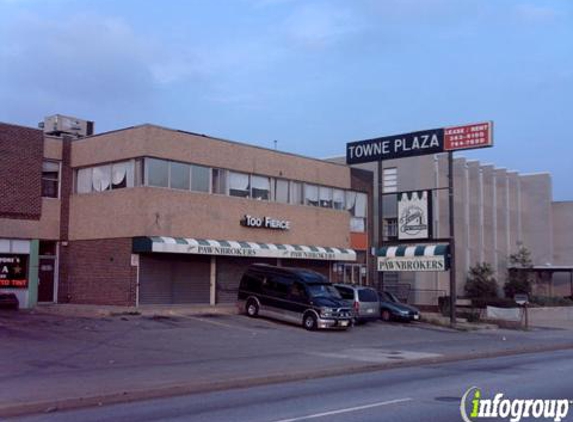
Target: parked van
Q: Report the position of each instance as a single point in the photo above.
(294, 295)
(363, 300)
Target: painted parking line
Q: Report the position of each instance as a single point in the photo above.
(346, 410)
(222, 324)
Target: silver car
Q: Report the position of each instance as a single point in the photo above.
(363, 300)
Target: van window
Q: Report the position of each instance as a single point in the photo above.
(297, 292)
(277, 285)
(367, 295)
(251, 282)
(347, 294)
(323, 290)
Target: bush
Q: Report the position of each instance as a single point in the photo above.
(519, 278)
(551, 301)
(481, 283)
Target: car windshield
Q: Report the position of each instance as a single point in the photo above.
(322, 290)
(388, 297)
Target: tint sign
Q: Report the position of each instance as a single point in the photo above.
(13, 271)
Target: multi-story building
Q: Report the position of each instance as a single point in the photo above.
(495, 211)
(149, 215)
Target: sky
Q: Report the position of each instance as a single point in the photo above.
(312, 75)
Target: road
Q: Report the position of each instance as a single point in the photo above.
(426, 393)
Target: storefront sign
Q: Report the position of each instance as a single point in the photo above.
(412, 263)
(413, 215)
(265, 223)
(424, 142)
(13, 271)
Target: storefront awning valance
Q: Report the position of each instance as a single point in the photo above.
(413, 258)
(239, 249)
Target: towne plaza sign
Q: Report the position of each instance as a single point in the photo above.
(424, 142)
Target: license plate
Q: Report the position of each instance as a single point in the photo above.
(416, 316)
(343, 323)
(370, 311)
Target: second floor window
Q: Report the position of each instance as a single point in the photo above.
(50, 179)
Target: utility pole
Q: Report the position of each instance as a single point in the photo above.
(452, 240)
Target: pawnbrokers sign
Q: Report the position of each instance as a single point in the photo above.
(412, 263)
(424, 142)
(13, 271)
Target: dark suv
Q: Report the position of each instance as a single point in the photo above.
(293, 295)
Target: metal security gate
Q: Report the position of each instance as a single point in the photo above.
(174, 279)
(229, 273)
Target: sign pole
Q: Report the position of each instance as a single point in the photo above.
(380, 223)
(452, 239)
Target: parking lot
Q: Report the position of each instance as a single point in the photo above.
(56, 356)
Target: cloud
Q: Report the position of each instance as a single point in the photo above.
(318, 25)
(536, 14)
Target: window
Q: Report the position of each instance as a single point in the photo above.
(179, 175)
(50, 179)
(295, 193)
(261, 187)
(101, 178)
(105, 177)
(390, 229)
(200, 178)
(357, 225)
(325, 195)
(390, 180)
(311, 195)
(239, 184)
(338, 199)
(360, 207)
(356, 204)
(219, 181)
(122, 175)
(157, 172)
(281, 191)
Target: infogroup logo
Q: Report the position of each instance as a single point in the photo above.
(473, 407)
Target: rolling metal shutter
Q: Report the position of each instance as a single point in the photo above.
(174, 279)
(229, 273)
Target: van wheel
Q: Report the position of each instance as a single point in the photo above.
(309, 322)
(252, 308)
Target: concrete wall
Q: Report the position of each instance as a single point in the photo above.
(154, 141)
(149, 211)
(536, 197)
(562, 213)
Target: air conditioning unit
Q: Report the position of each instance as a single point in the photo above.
(58, 125)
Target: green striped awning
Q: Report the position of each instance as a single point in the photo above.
(413, 258)
(239, 248)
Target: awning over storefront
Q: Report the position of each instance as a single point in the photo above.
(239, 249)
(413, 258)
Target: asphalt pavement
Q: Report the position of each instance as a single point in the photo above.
(427, 393)
(61, 362)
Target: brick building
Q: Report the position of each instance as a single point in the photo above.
(149, 215)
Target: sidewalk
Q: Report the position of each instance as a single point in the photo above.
(57, 361)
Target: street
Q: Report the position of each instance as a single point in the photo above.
(427, 393)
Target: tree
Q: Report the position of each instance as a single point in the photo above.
(481, 282)
(519, 278)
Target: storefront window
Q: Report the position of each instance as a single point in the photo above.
(239, 184)
(325, 197)
(157, 172)
(200, 178)
(311, 195)
(281, 191)
(261, 187)
(179, 175)
(338, 199)
(50, 179)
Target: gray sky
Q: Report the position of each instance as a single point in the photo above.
(311, 74)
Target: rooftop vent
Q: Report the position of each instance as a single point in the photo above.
(66, 125)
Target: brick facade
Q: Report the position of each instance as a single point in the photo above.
(21, 156)
(98, 272)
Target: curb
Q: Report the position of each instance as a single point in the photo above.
(49, 406)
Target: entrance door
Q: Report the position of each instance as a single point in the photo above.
(46, 275)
